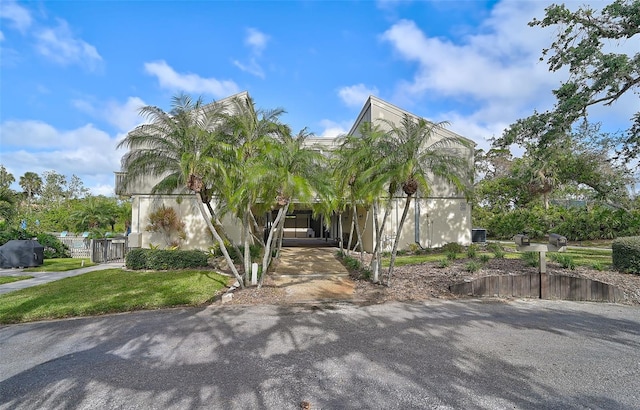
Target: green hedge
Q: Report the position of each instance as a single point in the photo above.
(626, 254)
(163, 259)
(254, 251)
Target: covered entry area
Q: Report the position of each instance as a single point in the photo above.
(302, 229)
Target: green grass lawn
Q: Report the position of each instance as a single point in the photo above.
(110, 291)
(9, 279)
(60, 265)
(581, 257)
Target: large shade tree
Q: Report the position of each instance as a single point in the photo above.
(593, 45)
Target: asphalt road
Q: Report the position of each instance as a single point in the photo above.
(444, 355)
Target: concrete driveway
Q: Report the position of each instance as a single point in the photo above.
(444, 355)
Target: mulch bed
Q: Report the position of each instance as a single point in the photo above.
(428, 281)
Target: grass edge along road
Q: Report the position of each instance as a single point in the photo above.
(110, 291)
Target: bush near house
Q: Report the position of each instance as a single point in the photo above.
(53, 247)
(626, 254)
(163, 259)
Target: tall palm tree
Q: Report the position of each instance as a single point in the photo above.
(422, 156)
(291, 169)
(251, 133)
(176, 147)
(32, 185)
(360, 173)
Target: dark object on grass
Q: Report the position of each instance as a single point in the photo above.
(21, 254)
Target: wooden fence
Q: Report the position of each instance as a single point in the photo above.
(109, 250)
(79, 246)
(542, 286)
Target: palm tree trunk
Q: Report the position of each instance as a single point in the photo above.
(350, 236)
(256, 228)
(218, 238)
(340, 234)
(374, 260)
(359, 233)
(394, 252)
(224, 233)
(247, 247)
(280, 235)
(266, 258)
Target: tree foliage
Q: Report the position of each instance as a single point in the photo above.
(585, 41)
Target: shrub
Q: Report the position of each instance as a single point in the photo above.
(452, 256)
(453, 247)
(472, 266)
(484, 258)
(444, 263)
(414, 248)
(499, 253)
(354, 265)
(163, 259)
(136, 259)
(566, 261)
(597, 266)
(472, 251)
(494, 247)
(254, 251)
(531, 258)
(626, 254)
(53, 247)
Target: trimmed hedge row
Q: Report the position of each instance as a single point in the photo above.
(163, 259)
(577, 224)
(626, 254)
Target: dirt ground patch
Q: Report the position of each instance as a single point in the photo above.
(428, 281)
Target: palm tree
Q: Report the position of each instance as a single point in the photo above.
(177, 147)
(32, 185)
(293, 170)
(95, 213)
(251, 133)
(360, 174)
(421, 156)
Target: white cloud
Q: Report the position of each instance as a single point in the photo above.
(87, 151)
(494, 72)
(356, 95)
(257, 42)
(123, 116)
(333, 129)
(191, 83)
(60, 45)
(252, 67)
(19, 16)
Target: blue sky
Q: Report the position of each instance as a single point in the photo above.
(74, 73)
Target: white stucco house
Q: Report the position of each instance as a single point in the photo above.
(442, 217)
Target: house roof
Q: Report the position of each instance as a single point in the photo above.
(387, 106)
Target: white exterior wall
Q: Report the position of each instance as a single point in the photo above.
(445, 216)
(198, 235)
